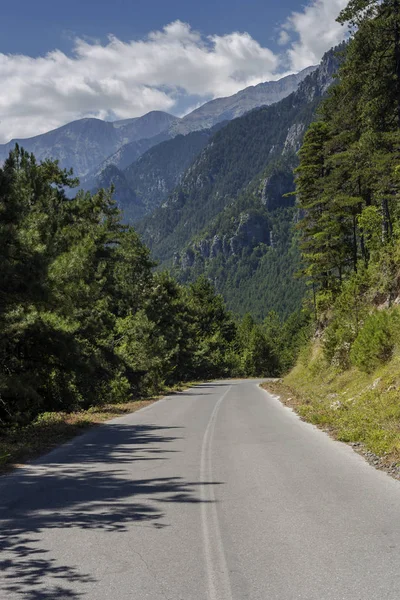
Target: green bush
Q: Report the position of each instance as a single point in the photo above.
(338, 338)
(376, 340)
(324, 301)
(349, 310)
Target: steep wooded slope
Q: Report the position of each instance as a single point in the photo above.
(229, 217)
(146, 183)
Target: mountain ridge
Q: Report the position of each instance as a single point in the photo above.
(254, 96)
(88, 145)
(85, 143)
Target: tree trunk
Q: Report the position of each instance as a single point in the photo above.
(355, 250)
(386, 221)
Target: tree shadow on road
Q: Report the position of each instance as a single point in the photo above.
(65, 491)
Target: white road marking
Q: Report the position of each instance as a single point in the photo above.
(219, 587)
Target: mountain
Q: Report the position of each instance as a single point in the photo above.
(229, 217)
(86, 143)
(157, 164)
(122, 158)
(226, 109)
(146, 183)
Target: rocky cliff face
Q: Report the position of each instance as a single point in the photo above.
(318, 82)
(246, 223)
(248, 231)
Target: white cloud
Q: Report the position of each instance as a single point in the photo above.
(126, 79)
(312, 32)
(121, 80)
(284, 37)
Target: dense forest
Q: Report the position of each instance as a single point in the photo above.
(348, 191)
(85, 320)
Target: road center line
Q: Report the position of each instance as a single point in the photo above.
(219, 587)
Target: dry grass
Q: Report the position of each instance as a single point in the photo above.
(51, 429)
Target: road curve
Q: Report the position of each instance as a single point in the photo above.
(216, 493)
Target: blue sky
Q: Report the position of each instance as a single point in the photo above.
(122, 59)
(49, 24)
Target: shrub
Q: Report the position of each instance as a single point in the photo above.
(324, 301)
(338, 338)
(350, 309)
(376, 340)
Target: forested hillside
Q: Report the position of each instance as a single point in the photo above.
(348, 186)
(229, 218)
(348, 180)
(144, 184)
(249, 251)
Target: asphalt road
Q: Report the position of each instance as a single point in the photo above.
(217, 493)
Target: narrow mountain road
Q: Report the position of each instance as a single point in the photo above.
(217, 493)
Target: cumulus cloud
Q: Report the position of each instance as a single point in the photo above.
(121, 80)
(118, 80)
(312, 32)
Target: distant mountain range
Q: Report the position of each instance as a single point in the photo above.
(86, 143)
(91, 145)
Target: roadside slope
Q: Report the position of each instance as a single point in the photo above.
(357, 407)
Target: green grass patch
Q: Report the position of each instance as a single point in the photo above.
(353, 405)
